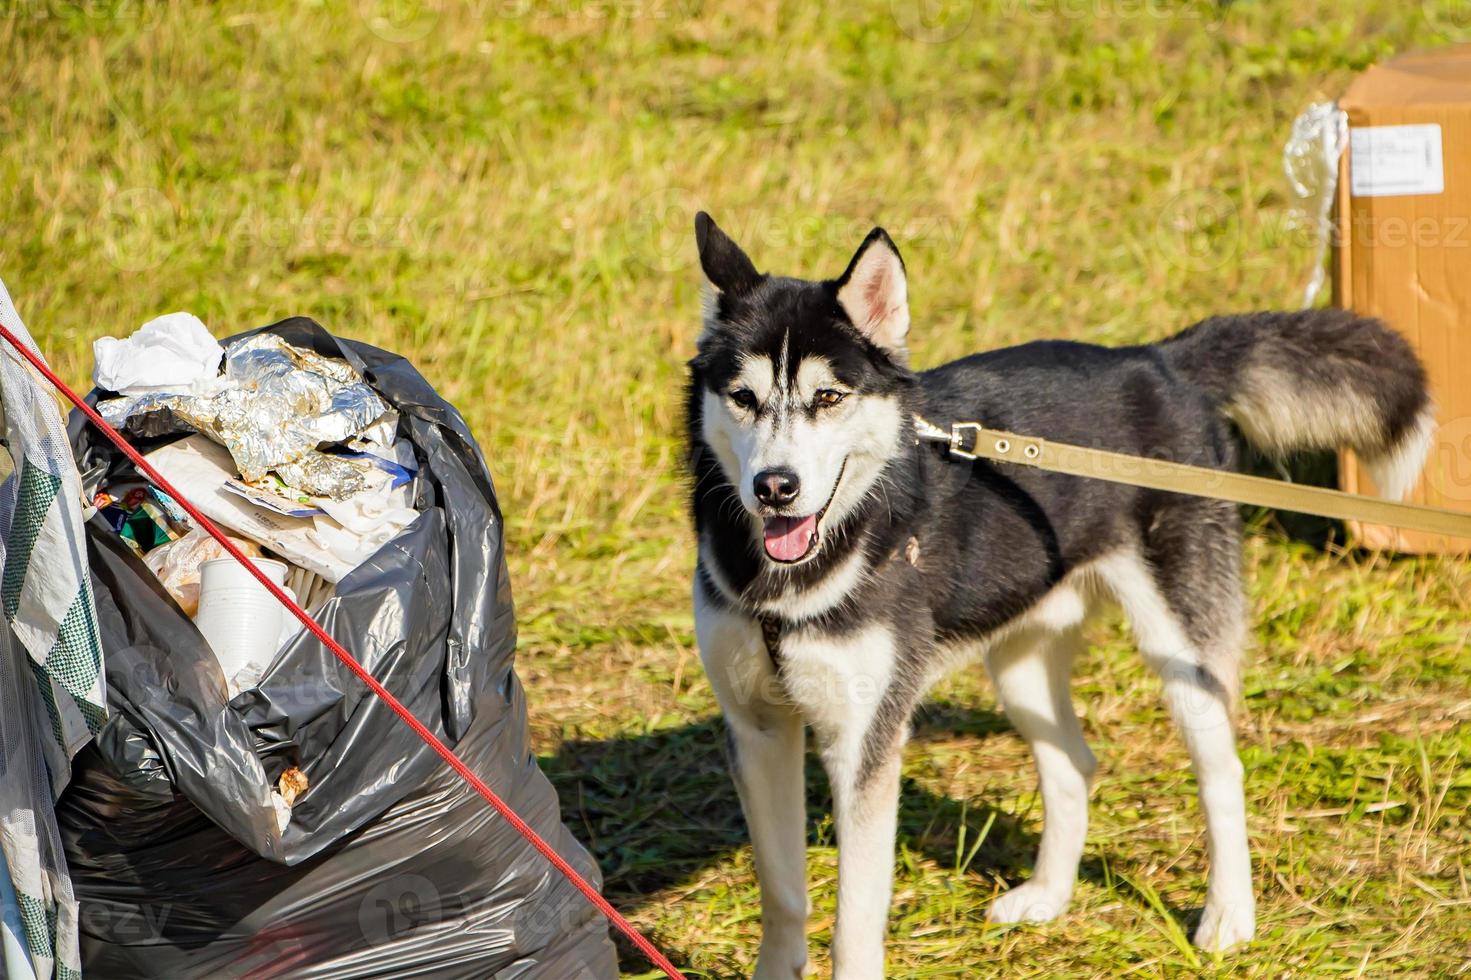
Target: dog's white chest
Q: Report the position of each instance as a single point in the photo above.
(837, 679)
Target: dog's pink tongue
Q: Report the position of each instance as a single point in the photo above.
(788, 538)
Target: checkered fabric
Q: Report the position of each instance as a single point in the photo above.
(52, 700)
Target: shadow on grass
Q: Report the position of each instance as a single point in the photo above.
(657, 809)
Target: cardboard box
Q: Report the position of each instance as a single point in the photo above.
(1404, 254)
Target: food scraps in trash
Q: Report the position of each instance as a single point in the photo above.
(292, 784)
(177, 564)
(275, 494)
(330, 544)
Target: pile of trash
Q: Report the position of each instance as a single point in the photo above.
(249, 808)
(294, 454)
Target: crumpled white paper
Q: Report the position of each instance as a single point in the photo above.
(173, 352)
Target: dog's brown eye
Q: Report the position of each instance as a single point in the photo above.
(744, 397)
(830, 396)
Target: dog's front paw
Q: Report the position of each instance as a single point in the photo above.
(781, 966)
(1224, 926)
(1027, 903)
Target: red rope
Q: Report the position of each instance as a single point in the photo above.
(445, 753)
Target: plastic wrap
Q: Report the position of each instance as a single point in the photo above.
(1310, 159)
(389, 864)
(177, 564)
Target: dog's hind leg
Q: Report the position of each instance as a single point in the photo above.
(1187, 612)
(1031, 673)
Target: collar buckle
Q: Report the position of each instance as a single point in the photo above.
(958, 442)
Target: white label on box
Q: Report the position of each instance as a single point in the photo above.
(1385, 161)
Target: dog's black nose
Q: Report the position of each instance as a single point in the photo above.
(777, 488)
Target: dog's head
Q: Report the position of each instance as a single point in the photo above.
(799, 386)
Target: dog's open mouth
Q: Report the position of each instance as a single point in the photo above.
(790, 539)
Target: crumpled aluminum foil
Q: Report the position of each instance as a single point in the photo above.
(272, 408)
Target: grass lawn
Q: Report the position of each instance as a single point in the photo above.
(503, 189)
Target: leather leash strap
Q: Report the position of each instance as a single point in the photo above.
(971, 441)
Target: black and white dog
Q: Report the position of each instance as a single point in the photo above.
(844, 567)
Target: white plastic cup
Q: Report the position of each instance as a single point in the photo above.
(241, 620)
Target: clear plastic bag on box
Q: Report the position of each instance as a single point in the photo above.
(1310, 160)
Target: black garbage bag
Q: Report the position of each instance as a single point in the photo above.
(390, 864)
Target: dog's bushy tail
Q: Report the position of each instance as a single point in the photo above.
(1315, 379)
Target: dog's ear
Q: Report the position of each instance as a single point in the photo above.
(875, 294)
(726, 266)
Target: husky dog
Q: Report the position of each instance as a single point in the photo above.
(844, 566)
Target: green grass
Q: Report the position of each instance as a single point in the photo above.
(504, 192)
